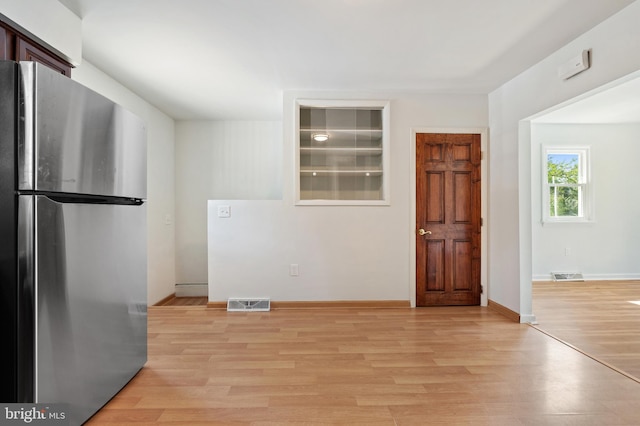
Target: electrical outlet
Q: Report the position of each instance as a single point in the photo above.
(224, 211)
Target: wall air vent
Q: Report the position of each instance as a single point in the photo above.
(245, 305)
(567, 276)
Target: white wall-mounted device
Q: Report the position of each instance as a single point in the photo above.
(575, 65)
(224, 211)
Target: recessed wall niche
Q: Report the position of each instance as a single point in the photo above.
(342, 153)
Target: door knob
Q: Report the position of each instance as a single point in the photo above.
(423, 232)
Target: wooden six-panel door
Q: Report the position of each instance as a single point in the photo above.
(447, 219)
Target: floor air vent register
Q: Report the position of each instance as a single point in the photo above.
(567, 276)
(246, 305)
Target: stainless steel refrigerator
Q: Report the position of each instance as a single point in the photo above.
(73, 265)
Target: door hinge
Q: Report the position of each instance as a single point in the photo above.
(482, 155)
(481, 289)
(481, 222)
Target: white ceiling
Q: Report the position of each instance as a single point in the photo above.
(618, 104)
(232, 59)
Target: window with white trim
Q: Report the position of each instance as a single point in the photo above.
(567, 195)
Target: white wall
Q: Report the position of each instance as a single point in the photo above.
(343, 252)
(160, 178)
(59, 28)
(220, 159)
(510, 244)
(607, 248)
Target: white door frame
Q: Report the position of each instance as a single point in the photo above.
(484, 175)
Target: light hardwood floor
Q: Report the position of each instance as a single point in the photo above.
(598, 317)
(429, 366)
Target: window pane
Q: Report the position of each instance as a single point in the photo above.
(565, 178)
(562, 168)
(564, 201)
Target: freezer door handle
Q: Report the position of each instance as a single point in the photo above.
(26, 140)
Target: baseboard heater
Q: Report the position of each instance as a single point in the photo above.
(567, 276)
(246, 305)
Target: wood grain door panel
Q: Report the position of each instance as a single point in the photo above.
(462, 260)
(448, 206)
(434, 207)
(463, 195)
(435, 265)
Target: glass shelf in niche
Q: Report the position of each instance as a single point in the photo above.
(342, 154)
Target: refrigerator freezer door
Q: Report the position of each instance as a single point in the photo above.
(91, 302)
(76, 140)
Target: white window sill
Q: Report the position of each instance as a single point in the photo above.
(568, 222)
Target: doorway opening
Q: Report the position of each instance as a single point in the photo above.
(603, 249)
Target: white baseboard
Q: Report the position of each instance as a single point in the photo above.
(594, 277)
(192, 290)
(611, 277)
